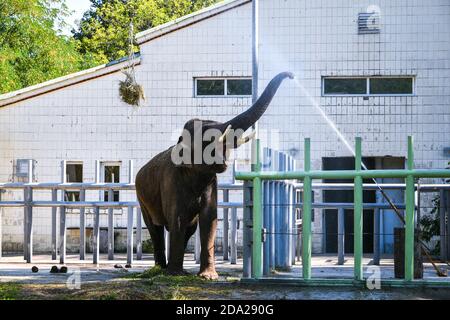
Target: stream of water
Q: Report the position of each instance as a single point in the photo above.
(333, 126)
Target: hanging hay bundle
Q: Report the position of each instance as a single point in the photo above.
(130, 91)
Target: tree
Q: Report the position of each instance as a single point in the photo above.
(104, 29)
(31, 47)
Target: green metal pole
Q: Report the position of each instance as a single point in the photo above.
(257, 217)
(345, 174)
(358, 213)
(306, 219)
(409, 218)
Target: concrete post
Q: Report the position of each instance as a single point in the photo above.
(341, 236)
(167, 243)
(96, 242)
(266, 216)
(273, 209)
(247, 230)
(225, 226)
(28, 197)
(442, 226)
(233, 235)
(376, 237)
(110, 226)
(130, 235)
(233, 244)
(409, 215)
(197, 245)
(307, 212)
(82, 226)
(138, 234)
(447, 200)
(62, 235)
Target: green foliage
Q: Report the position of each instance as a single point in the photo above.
(31, 47)
(9, 291)
(104, 29)
(430, 224)
(147, 246)
(151, 273)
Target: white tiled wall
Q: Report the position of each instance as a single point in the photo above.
(88, 121)
(319, 38)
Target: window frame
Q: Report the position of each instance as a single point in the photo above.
(368, 94)
(225, 87)
(76, 192)
(103, 165)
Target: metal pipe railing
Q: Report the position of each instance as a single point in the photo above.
(28, 204)
(257, 176)
(307, 204)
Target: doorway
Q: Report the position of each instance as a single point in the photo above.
(331, 215)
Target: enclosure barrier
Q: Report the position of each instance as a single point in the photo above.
(132, 206)
(253, 212)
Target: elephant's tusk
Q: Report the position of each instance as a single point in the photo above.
(223, 136)
(246, 139)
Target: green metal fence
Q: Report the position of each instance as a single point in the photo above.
(307, 175)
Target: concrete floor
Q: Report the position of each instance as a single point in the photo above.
(14, 268)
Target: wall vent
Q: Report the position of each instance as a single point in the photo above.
(368, 22)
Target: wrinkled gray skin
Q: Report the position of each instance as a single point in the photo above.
(178, 196)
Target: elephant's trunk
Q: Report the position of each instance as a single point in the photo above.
(248, 118)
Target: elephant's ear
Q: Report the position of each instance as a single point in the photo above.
(181, 153)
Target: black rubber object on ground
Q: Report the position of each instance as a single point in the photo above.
(63, 269)
(54, 269)
(34, 269)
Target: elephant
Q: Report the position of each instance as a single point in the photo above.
(176, 195)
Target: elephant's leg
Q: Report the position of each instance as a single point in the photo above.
(176, 251)
(159, 250)
(208, 226)
(156, 234)
(189, 232)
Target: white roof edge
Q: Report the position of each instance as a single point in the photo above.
(67, 80)
(157, 31)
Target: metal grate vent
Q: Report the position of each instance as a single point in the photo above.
(368, 23)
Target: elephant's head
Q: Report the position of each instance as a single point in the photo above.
(204, 144)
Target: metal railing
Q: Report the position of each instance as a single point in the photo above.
(28, 204)
(253, 207)
(230, 224)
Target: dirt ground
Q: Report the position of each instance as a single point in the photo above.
(151, 285)
(157, 289)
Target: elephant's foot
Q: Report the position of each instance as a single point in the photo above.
(208, 274)
(177, 272)
(161, 265)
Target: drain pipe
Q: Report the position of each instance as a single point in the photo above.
(255, 56)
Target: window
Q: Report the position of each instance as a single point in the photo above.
(111, 175)
(367, 86)
(239, 87)
(223, 87)
(213, 87)
(74, 173)
(391, 85)
(345, 86)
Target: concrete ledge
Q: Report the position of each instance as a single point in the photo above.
(391, 283)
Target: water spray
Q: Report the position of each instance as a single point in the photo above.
(333, 126)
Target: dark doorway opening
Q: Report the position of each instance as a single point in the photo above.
(330, 215)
